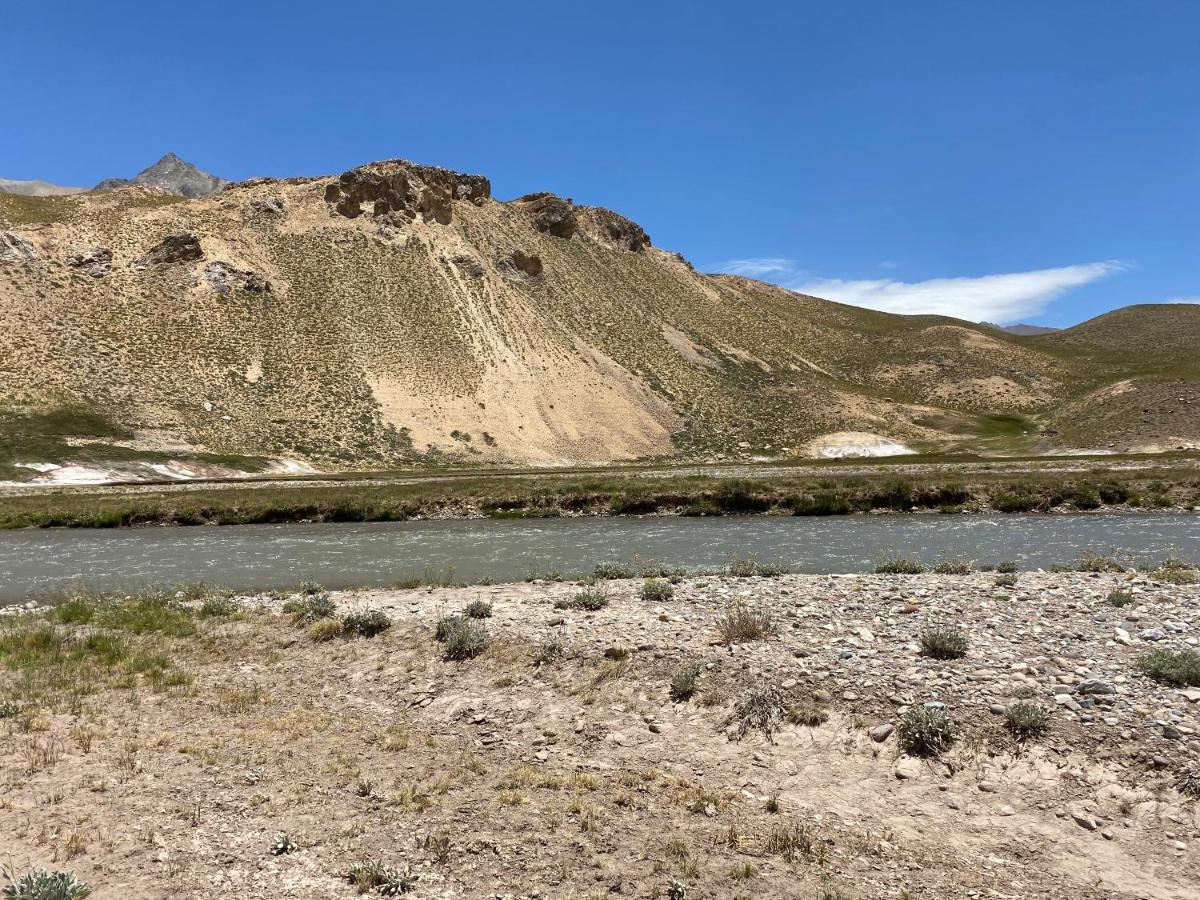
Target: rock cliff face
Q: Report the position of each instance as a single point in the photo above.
(398, 313)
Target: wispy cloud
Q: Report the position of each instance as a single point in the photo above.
(1002, 298)
(758, 266)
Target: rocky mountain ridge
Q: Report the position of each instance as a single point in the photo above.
(398, 313)
(171, 174)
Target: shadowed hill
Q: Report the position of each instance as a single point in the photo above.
(399, 313)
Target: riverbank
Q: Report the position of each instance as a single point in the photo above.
(842, 488)
(706, 736)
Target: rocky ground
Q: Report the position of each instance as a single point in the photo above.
(495, 776)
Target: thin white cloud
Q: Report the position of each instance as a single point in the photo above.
(1184, 300)
(1003, 298)
(757, 266)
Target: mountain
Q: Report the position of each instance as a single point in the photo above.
(1021, 329)
(400, 314)
(36, 188)
(173, 175)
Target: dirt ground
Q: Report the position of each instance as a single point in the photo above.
(496, 776)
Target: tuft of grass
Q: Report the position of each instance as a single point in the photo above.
(749, 567)
(954, 567)
(1180, 667)
(944, 643)
(217, 607)
(283, 845)
(366, 623)
(371, 875)
(1096, 562)
(683, 682)
(1006, 580)
(324, 630)
(791, 841)
(655, 591)
(925, 731)
(478, 609)
(808, 712)
(1026, 720)
(548, 652)
(758, 708)
(900, 565)
(741, 623)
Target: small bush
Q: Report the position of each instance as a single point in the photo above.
(309, 608)
(822, 503)
(612, 572)
(466, 640)
(1176, 571)
(367, 623)
(741, 623)
(42, 885)
(217, 607)
(683, 682)
(588, 601)
(1015, 502)
(899, 565)
(372, 875)
(954, 567)
(759, 708)
(749, 567)
(1086, 497)
(548, 651)
(1025, 720)
(655, 591)
(445, 626)
(1119, 598)
(283, 845)
(925, 731)
(478, 609)
(9, 709)
(944, 643)
(1006, 567)
(1005, 580)
(1174, 667)
(1095, 562)
(1113, 492)
(738, 496)
(324, 630)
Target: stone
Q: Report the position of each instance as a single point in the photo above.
(223, 278)
(1095, 686)
(399, 192)
(615, 230)
(907, 768)
(552, 215)
(1083, 820)
(271, 206)
(14, 248)
(881, 732)
(520, 266)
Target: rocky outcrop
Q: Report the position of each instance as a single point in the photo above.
(174, 248)
(520, 266)
(551, 214)
(270, 206)
(464, 262)
(614, 229)
(96, 260)
(14, 248)
(223, 278)
(399, 192)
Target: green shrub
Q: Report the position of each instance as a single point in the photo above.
(309, 608)
(1085, 496)
(683, 682)
(9, 709)
(925, 731)
(548, 651)
(944, 643)
(367, 623)
(371, 875)
(1025, 720)
(1008, 580)
(632, 504)
(1113, 492)
(655, 591)
(612, 571)
(217, 607)
(283, 845)
(1006, 567)
(588, 601)
(749, 567)
(1096, 562)
(738, 496)
(954, 567)
(822, 503)
(1119, 598)
(1180, 667)
(465, 640)
(446, 626)
(1011, 502)
(478, 609)
(700, 507)
(42, 885)
(898, 565)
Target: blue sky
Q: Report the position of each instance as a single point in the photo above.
(1034, 161)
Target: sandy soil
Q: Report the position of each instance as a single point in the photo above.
(581, 777)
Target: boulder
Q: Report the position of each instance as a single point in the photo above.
(173, 249)
(15, 249)
(553, 215)
(97, 261)
(615, 230)
(270, 206)
(399, 191)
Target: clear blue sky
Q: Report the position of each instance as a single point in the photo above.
(1039, 154)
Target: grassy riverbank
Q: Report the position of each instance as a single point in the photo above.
(806, 491)
(819, 737)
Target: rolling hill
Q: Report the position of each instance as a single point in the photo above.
(398, 314)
